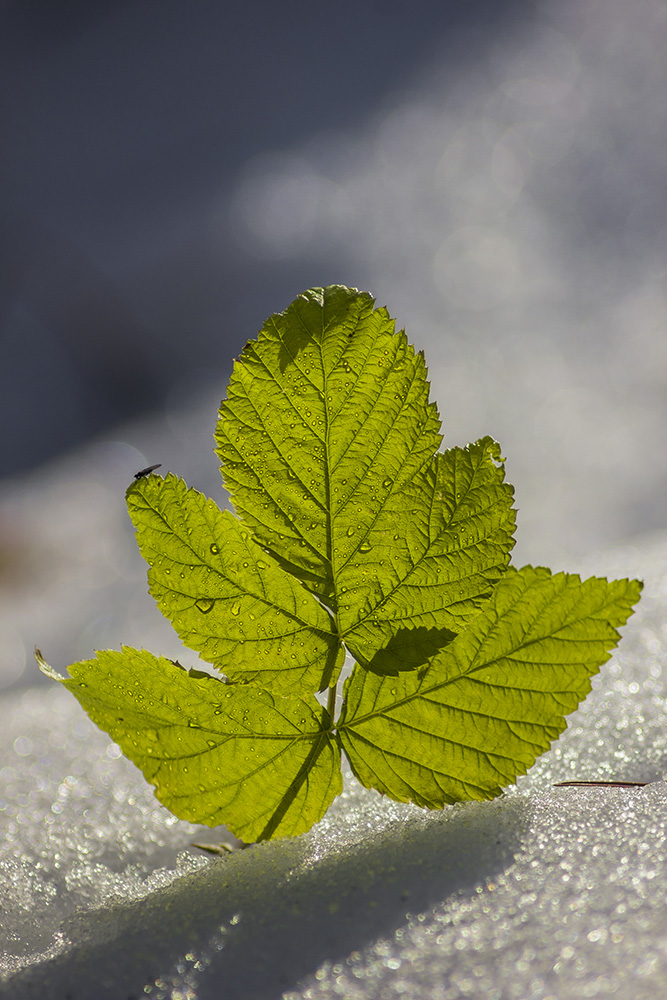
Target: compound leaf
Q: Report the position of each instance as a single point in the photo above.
(354, 533)
(225, 597)
(493, 700)
(263, 765)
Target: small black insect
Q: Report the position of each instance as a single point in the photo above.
(144, 472)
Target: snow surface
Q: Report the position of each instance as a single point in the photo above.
(543, 893)
(513, 220)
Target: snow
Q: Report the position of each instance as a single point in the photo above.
(546, 892)
(539, 179)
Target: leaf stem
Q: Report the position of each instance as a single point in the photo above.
(331, 701)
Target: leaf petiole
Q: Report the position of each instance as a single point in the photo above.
(331, 701)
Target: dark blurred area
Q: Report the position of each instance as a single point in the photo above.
(124, 126)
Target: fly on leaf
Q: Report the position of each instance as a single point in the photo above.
(145, 472)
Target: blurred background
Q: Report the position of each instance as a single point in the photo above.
(173, 172)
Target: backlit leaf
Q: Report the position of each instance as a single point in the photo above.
(225, 597)
(354, 534)
(430, 560)
(326, 413)
(261, 764)
(494, 699)
(327, 441)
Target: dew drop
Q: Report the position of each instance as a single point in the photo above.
(365, 547)
(350, 532)
(235, 609)
(261, 564)
(215, 549)
(204, 604)
(386, 482)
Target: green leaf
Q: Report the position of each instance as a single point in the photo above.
(430, 560)
(327, 413)
(225, 597)
(355, 534)
(263, 765)
(494, 699)
(327, 443)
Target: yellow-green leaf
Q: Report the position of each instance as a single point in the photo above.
(262, 764)
(225, 597)
(328, 447)
(491, 701)
(430, 560)
(326, 412)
